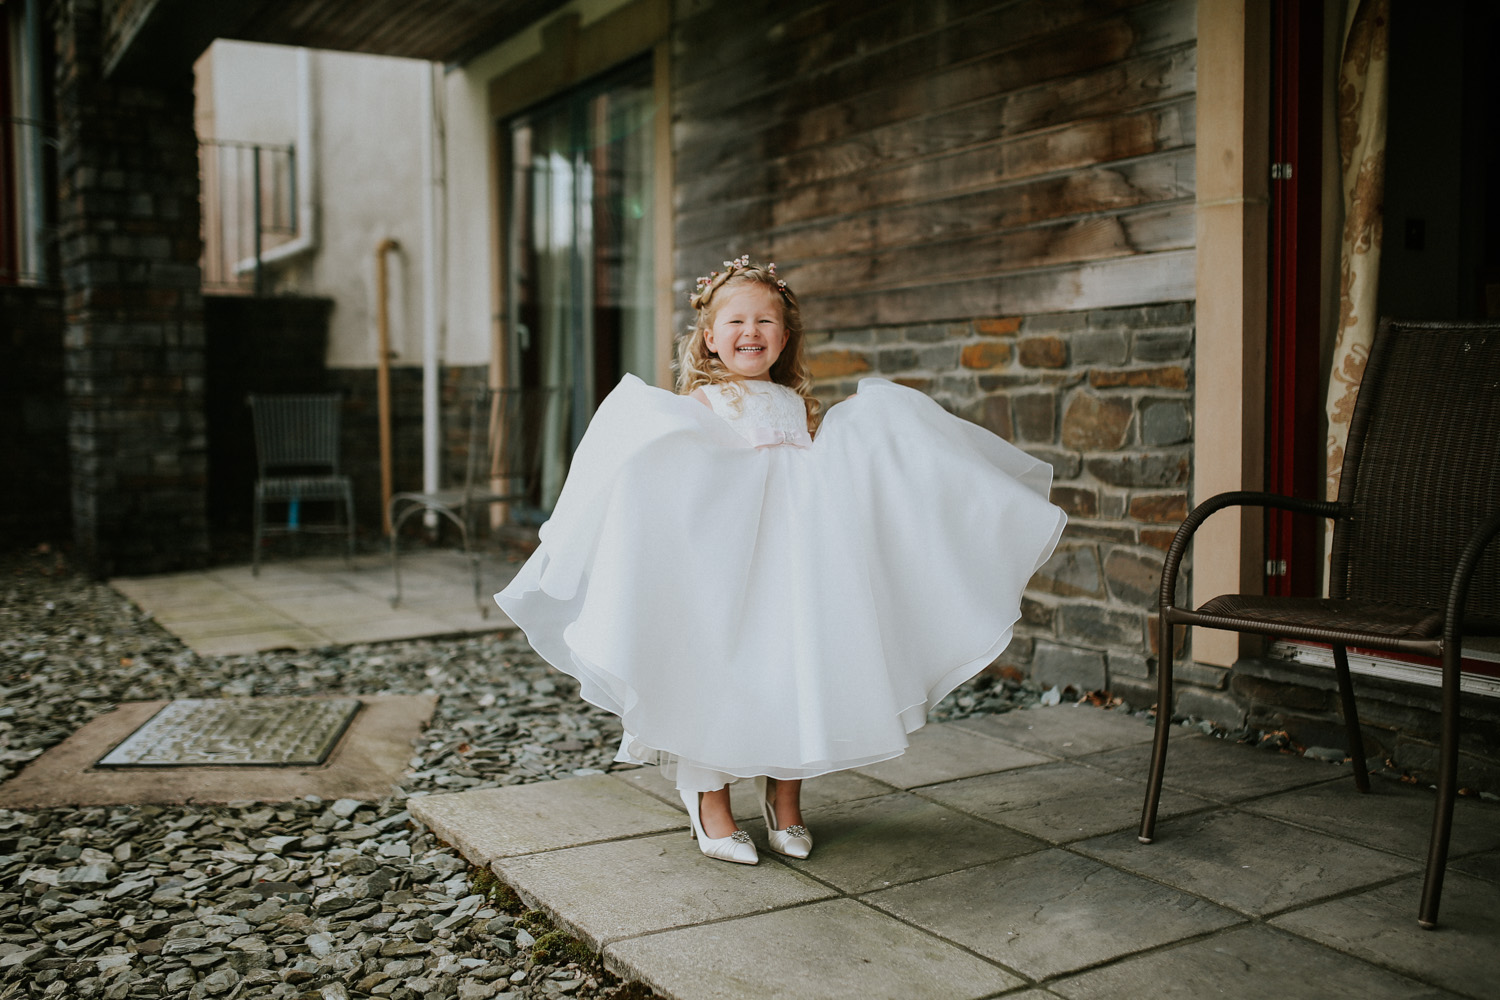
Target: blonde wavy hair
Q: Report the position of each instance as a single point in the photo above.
(697, 366)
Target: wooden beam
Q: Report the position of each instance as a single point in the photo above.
(1233, 169)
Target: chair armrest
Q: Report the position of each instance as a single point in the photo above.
(1238, 498)
(1468, 560)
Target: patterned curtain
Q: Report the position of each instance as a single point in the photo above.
(1362, 87)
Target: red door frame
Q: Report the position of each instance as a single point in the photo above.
(1296, 447)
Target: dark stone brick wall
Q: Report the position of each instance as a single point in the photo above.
(253, 345)
(361, 431)
(128, 222)
(34, 412)
(1399, 721)
(279, 344)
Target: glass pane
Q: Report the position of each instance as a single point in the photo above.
(580, 262)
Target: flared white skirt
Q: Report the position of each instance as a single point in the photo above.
(781, 610)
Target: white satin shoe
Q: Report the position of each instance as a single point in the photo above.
(736, 847)
(794, 841)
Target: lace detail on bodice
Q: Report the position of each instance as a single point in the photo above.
(764, 413)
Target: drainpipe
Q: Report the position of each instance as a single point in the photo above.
(36, 211)
(432, 186)
(383, 376)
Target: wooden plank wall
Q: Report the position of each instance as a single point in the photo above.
(992, 202)
(918, 162)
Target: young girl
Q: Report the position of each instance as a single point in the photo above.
(756, 602)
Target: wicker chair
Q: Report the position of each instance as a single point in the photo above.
(297, 456)
(503, 465)
(1418, 503)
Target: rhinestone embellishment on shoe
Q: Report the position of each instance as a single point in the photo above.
(795, 830)
(740, 837)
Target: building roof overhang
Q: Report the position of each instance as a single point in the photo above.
(150, 39)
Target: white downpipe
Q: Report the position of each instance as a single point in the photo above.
(306, 240)
(432, 184)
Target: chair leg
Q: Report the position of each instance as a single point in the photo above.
(349, 515)
(396, 552)
(1351, 719)
(1442, 819)
(1163, 726)
(473, 555)
(259, 522)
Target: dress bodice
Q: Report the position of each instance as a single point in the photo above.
(763, 413)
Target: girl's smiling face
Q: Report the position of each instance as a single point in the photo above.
(748, 333)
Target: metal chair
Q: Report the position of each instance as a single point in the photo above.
(503, 465)
(1418, 504)
(297, 461)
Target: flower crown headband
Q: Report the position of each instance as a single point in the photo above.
(714, 279)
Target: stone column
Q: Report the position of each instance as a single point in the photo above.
(128, 220)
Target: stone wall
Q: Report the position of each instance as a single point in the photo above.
(128, 245)
(253, 345)
(1105, 396)
(361, 431)
(34, 412)
(1400, 722)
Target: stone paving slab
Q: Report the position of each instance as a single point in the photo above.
(1053, 912)
(486, 824)
(944, 753)
(1392, 817)
(834, 950)
(938, 902)
(1462, 954)
(312, 602)
(817, 794)
(1058, 802)
(1248, 963)
(869, 844)
(1248, 863)
(1224, 770)
(626, 888)
(1064, 731)
(365, 764)
(1485, 865)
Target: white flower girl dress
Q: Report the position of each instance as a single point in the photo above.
(750, 601)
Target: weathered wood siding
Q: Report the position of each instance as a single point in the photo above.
(915, 162)
(993, 202)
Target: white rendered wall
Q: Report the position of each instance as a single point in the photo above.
(368, 180)
(367, 174)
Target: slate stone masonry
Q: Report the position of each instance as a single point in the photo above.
(33, 410)
(361, 432)
(128, 222)
(1106, 397)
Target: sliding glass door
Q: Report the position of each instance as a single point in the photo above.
(579, 261)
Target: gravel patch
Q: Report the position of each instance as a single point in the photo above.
(310, 899)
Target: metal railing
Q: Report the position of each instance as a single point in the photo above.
(249, 208)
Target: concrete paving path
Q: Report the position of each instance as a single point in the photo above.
(326, 601)
(998, 857)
